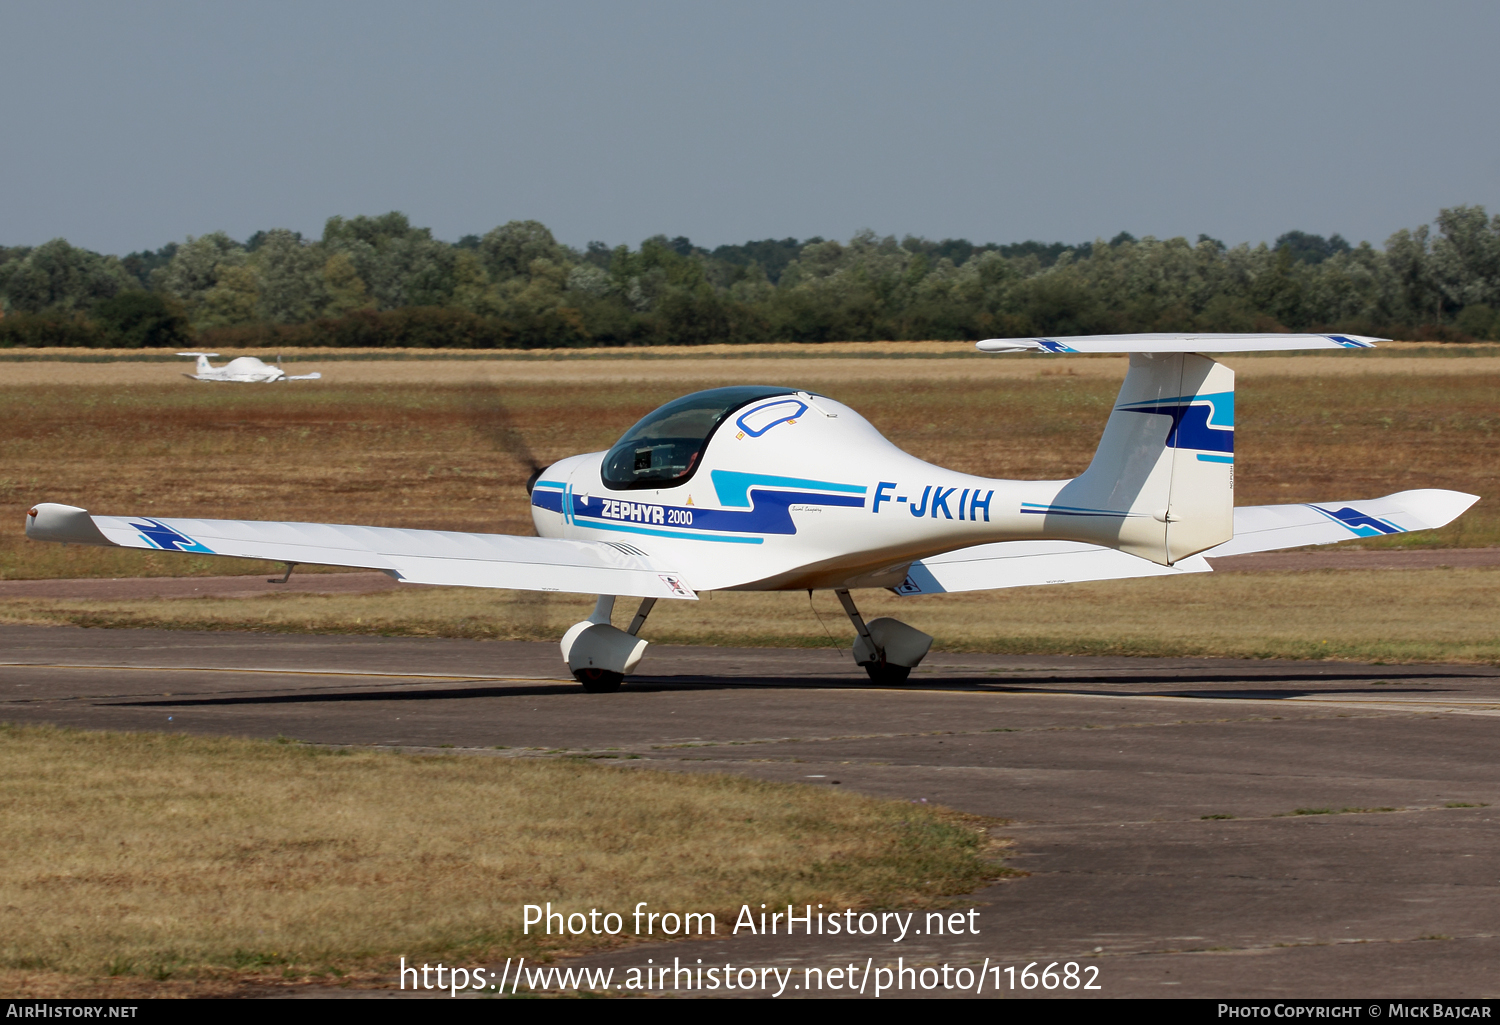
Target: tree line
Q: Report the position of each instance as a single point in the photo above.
(379, 281)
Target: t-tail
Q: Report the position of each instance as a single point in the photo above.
(1161, 485)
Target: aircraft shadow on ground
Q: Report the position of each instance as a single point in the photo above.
(1261, 688)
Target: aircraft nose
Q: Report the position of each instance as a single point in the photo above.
(536, 475)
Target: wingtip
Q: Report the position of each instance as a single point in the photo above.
(68, 524)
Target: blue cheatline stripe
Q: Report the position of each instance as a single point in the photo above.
(1203, 458)
(1072, 510)
(733, 487)
(549, 484)
(591, 524)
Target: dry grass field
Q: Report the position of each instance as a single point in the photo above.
(427, 450)
(155, 857)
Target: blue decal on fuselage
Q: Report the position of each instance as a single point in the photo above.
(1204, 422)
(1037, 509)
(547, 499)
(732, 487)
(770, 513)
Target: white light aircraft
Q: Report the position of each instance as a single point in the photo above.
(243, 370)
(757, 488)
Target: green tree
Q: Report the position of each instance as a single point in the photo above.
(196, 278)
(399, 264)
(509, 250)
(1465, 257)
(232, 301)
(472, 289)
(61, 278)
(292, 288)
(344, 287)
(135, 319)
(1414, 294)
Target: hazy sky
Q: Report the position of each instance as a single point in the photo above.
(128, 125)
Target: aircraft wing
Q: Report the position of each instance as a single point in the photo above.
(1257, 528)
(1178, 343)
(411, 556)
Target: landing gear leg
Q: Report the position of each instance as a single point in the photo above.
(647, 604)
(888, 649)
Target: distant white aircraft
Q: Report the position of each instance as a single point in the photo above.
(243, 369)
(768, 488)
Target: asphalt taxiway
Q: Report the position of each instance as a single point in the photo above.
(1201, 827)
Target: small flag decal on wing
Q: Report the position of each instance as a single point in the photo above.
(676, 586)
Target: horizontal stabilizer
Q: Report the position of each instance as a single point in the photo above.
(1031, 563)
(1178, 343)
(1257, 528)
(411, 556)
(1265, 528)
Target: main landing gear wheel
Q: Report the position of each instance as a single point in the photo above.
(885, 673)
(598, 681)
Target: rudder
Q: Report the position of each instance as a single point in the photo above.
(1161, 485)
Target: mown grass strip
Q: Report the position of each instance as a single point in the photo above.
(161, 856)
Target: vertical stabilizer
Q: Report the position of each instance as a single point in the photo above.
(203, 366)
(1161, 485)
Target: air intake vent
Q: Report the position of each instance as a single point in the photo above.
(620, 546)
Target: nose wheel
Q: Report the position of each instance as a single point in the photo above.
(886, 674)
(598, 681)
(597, 654)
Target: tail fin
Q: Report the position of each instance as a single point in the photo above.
(1161, 485)
(204, 366)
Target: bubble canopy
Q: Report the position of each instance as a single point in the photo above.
(664, 448)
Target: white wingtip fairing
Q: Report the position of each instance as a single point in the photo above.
(1178, 343)
(50, 521)
(1436, 507)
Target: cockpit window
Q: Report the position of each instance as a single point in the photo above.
(664, 448)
